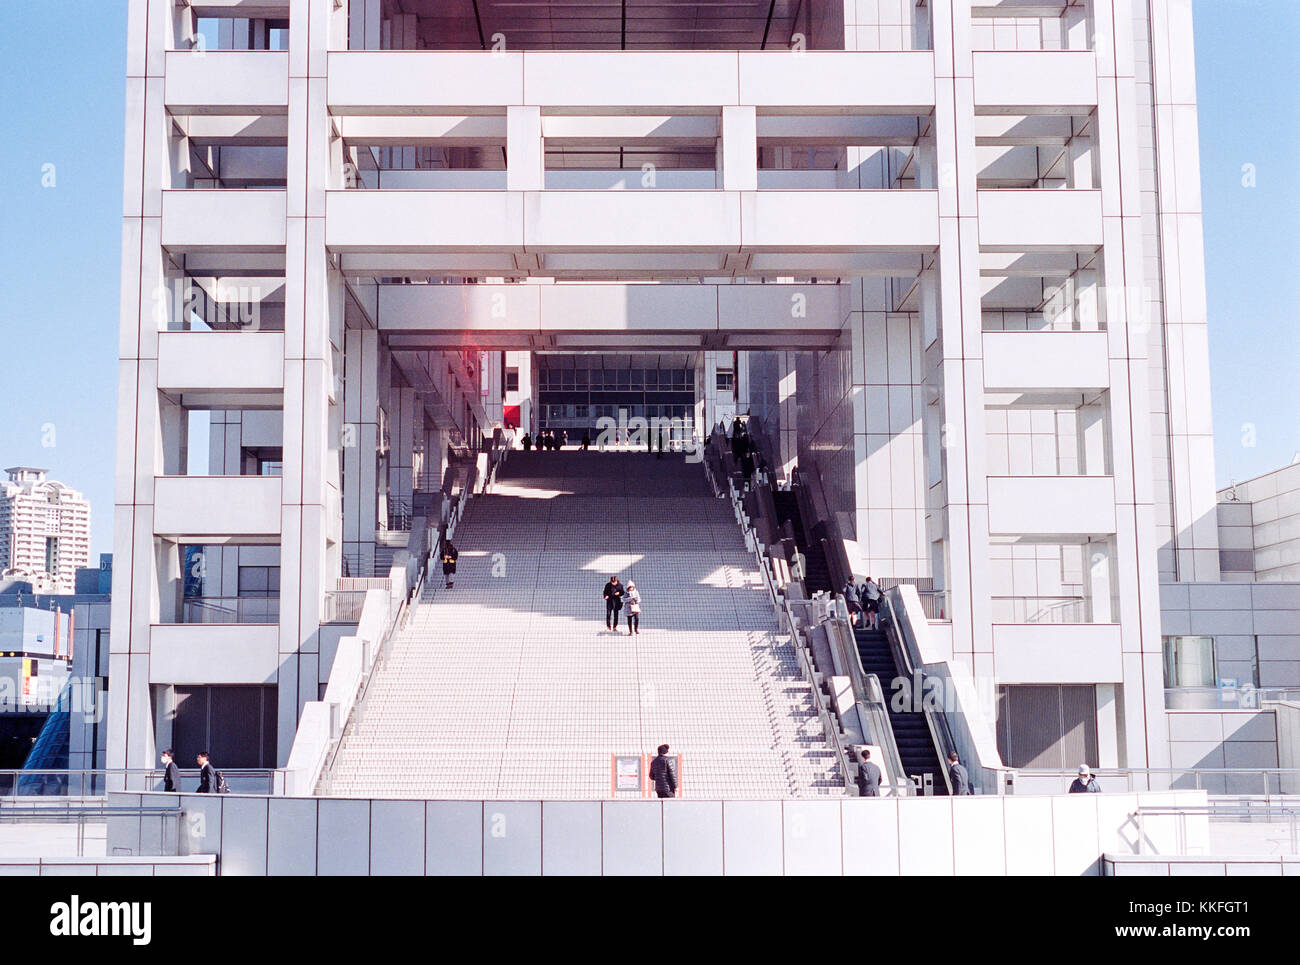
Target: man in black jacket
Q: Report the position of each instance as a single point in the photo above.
(868, 778)
(171, 773)
(613, 602)
(957, 775)
(661, 773)
(207, 775)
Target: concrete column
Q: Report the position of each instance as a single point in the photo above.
(787, 380)
(360, 442)
(738, 149)
(526, 162)
(146, 307)
(960, 377)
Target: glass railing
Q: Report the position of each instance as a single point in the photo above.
(1042, 609)
(64, 784)
(343, 606)
(1241, 697)
(1266, 782)
(231, 609)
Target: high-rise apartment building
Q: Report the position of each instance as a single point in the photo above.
(44, 530)
(949, 251)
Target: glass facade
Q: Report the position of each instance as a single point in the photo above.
(580, 400)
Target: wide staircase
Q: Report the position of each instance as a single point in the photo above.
(911, 731)
(509, 685)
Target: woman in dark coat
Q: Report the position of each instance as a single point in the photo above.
(449, 554)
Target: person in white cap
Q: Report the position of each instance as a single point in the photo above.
(1085, 783)
(633, 609)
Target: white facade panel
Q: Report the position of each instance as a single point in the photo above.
(838, 79)
(1049, 81)
(404, 221)
(214, 653)
(227, 82)
(221, 360)
(217, 505)
(1057, 653)
(206, 220)
(414, 82)
(1047, 505)
(1045, 360)
(1038, 218)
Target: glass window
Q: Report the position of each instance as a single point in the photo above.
(512, 380)
(1189, 662)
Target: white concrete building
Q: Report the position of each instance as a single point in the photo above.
(1259, 527)
(44, 531)
(950, 250)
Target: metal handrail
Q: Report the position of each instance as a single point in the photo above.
(830, 729)
(398, 616)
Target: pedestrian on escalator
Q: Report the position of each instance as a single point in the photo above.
(449, 554)
(868, 779)
(870, 597)
(613, 603)
(957, 775)
(633, 609)
(852, 602)
(661, 773)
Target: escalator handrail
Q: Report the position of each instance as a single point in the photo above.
(909, 664)
(878, 711)
(868, 694)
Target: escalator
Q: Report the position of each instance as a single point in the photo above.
(911, 730)
(817, 574)
(50, 752)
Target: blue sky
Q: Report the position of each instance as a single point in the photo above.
(60, 246)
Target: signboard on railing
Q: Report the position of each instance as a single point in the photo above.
(627, 774)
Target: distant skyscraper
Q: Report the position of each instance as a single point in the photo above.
(44, 530)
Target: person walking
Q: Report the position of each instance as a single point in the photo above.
(171, 773)
(662, 774)
(207, 774)
(852, 602)
(527, 442)
(564, 438)
(633, 609)
(957, 775)
(586, 441)
(613, 603)
(1085, 783)
(870, 597)
(449, 555)
(868, 778)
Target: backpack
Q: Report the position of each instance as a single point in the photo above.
(222, 786)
